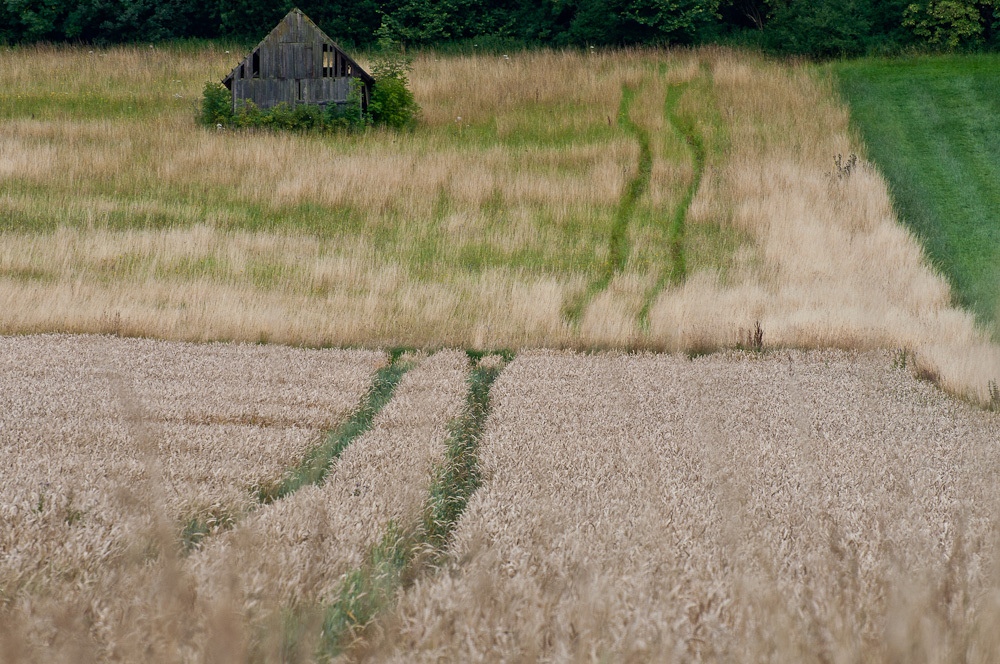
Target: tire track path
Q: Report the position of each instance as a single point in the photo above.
(315, 465)
(618, 247)
(677, 231)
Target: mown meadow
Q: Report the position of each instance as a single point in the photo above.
(930, 123)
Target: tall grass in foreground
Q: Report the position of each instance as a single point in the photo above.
(402, 557)
(112, 586)
(478, 230)
(110, 445)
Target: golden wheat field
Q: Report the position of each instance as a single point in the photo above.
(234, 428)
(791, 506)
(815, 506)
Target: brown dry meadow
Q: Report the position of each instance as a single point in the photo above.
(520, 214)
(792, 507)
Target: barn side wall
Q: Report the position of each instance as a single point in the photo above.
(267, 93)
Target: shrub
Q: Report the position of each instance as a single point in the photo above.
(248, 115)
(348, 116)
(216, 106)
(392, 103)
(216, 110)
(946, 23)
(280, 117)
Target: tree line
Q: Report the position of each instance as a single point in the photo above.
(819, 28)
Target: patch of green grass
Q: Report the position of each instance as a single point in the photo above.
(688, 130)
(366, 591)
(403, 553)
(932, 124)
(204, 524)
(618, 240)
(87, 106)
(315, 466)
(459, 478)
(27, 274)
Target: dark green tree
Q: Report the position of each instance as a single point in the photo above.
(832, 28)
(950, 24)
(36, 20)
(250, 20)
(671, 21)
(351, 24)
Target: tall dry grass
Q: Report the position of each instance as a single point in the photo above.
(480, 229)
(512, 201)
(832, 266)
(789, 507)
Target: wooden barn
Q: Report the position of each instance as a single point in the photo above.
(296, 64)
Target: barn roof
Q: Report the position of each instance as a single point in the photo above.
(289, 30)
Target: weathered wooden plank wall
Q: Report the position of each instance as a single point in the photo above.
(267, 93)
(296, 63)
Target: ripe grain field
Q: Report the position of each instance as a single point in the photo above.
(792, 507)
(110, 446)
(745, 506)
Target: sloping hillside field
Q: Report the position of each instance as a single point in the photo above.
(645, 199)
(791, 506)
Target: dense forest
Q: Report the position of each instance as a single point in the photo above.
(820, 28)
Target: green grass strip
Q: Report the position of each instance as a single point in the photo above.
(403, 554)
(618, 248)
(459, 477)
(687, 130)
(930, 123)
(316, 464)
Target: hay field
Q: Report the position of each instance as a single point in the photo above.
(794, 507)
(626, 199)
